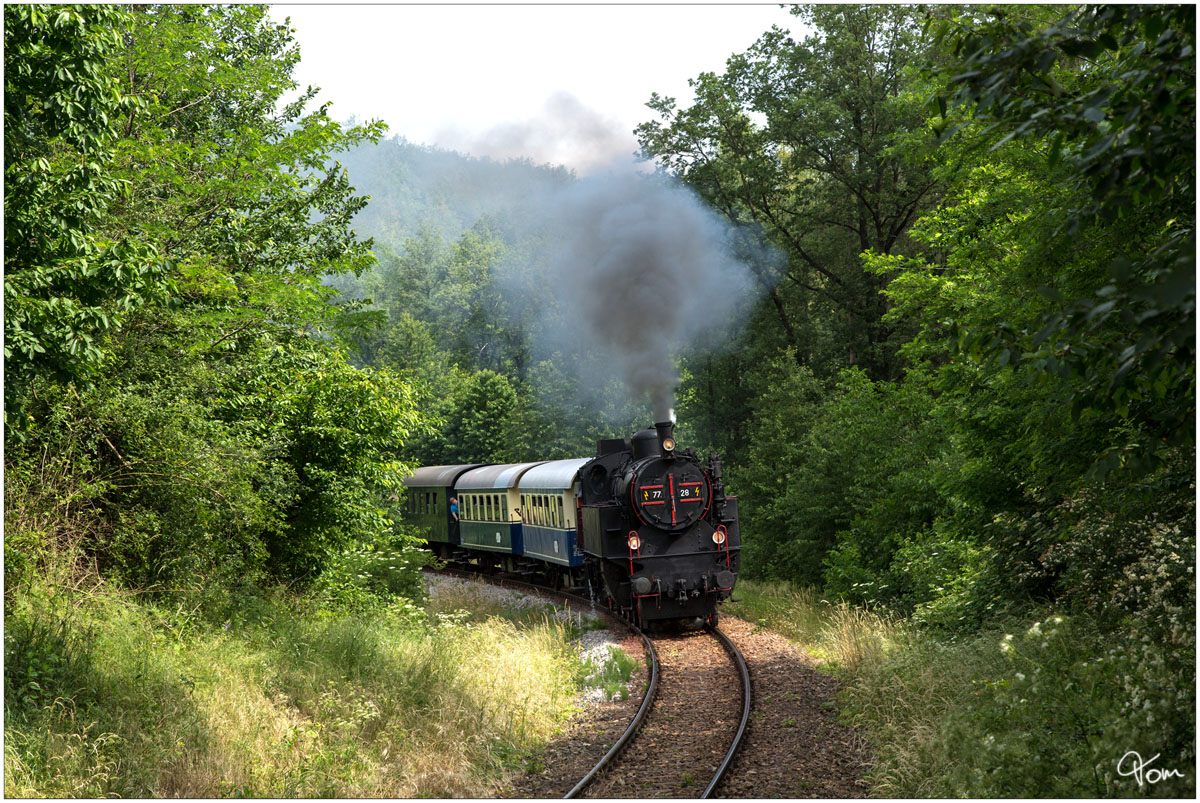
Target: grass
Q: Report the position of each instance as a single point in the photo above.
(613, 673)
(107, 694)
(841, 637)
(1015, 710)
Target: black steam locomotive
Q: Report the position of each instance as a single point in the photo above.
(643, 526)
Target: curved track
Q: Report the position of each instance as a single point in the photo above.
(680, 743)
(744, 671)
(609, 764)
(634, 726)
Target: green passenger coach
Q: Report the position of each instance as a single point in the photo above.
(429, 490)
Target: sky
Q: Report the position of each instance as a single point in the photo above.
(564, 84)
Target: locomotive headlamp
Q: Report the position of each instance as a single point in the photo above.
(718, 537)
(635, 542)
(666, 436)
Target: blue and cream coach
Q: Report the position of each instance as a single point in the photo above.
(549, 510)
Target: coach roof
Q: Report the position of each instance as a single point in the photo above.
(438, 476)
(494, 476)
(553, 475)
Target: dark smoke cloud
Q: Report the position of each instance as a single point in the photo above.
(565, 132)
(646, 268)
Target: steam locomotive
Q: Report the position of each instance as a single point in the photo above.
(642, 526)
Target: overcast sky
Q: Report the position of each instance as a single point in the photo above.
(558, 83)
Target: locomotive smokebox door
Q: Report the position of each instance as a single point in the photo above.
(669, 494)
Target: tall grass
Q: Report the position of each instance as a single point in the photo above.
(840, 636)
(107, 694)
(1046, 709)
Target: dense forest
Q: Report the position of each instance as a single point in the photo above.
(953, 381)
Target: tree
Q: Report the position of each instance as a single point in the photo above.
(66, 284)
(836, 167)
(229, 436)
(1109, 91)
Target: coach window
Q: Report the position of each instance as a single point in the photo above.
(562, 520)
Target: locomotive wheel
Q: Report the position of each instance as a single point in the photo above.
(712, 620)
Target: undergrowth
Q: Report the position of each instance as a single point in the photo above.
(1049, 707)
(612, 674)
(113, 693)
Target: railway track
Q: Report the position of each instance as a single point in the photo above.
(672, 744)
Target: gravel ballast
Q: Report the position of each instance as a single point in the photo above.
(794, 746)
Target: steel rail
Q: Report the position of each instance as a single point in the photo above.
(740, 660)
(647, 700)
(652, 654)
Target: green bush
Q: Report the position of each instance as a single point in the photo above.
(1047, 711)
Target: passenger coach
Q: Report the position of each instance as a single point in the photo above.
(429, 490)
(549, 512)
(489, 511)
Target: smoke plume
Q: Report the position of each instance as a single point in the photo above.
(646, 267)
(566, 131)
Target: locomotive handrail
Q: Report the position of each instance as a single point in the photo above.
(647, 699)
(728, 644)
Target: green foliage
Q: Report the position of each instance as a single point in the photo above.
(67, 283)
(1044, 709)
(365, 577)
(229, 436)
(1108, 92)
(812, 142)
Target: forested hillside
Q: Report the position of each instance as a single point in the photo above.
(949, 360)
